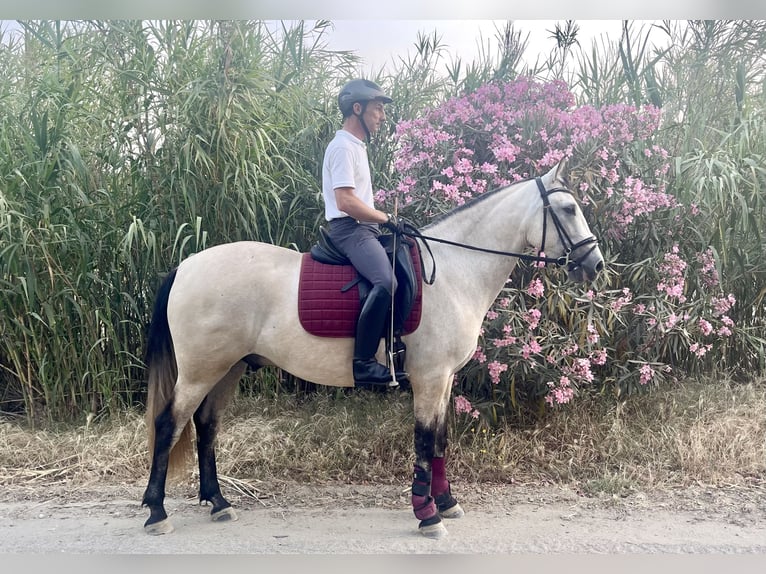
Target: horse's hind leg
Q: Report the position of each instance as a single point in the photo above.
(172, 443)
(206, 419)
(154, 496)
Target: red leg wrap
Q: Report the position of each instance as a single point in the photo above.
(423, 506)
(422, 502)
(439, 482)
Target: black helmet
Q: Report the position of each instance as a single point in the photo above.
(360, 91)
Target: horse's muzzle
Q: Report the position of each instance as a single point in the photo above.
(588, 270)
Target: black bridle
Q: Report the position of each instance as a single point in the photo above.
(566, 259)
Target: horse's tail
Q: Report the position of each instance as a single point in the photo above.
(162, 373)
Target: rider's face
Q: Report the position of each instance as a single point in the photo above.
(374, 115)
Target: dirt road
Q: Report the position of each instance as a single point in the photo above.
(308, 520)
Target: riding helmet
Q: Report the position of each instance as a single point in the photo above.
(360, 91)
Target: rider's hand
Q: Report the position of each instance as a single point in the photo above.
(394, 224)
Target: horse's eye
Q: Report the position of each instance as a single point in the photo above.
(570, 210)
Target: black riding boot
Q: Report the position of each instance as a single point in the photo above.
(369, 330)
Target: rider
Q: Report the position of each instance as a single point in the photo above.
(354, 221)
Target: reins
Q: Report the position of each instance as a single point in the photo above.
(563, 260)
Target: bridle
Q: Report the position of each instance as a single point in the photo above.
(566, 259)
(569, 246)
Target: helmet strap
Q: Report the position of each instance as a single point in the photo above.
(360, 117)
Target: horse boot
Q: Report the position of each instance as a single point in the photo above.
(369, 330)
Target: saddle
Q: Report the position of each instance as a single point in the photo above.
(331, 293)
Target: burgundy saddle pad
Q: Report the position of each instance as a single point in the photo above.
(325, 311)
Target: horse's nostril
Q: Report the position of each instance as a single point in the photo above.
(599, 266)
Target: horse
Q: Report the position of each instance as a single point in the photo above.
(234, 305)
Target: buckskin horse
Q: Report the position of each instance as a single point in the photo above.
(235, 305)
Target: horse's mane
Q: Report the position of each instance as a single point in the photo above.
(473, 201)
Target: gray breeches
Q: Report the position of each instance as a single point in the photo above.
(359, 242)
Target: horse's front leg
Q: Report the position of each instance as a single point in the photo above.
(432, 499)
(423, 503)
(446, 504)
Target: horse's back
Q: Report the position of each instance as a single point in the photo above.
(229, 294)
(238, 266)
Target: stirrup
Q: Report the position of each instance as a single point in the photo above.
(377, 375)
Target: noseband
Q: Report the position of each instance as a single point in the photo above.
(569, 247)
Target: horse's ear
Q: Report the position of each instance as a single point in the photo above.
(558, 173)
(562, 172)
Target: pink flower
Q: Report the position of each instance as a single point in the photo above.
(721, 305)
(598, 357)
(580, 369)
(647, 373)
(592, 334)
(529, 348)
(620, 302)
(709, 272)
(463, 405)
(495, 368)
(559, 394)
(535, 288)
(532, 317)
(705, 327)
(699, 350)
(672, 271)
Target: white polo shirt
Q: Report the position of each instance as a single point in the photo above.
(345, 165)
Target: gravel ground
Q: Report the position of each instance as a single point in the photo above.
(295, 519)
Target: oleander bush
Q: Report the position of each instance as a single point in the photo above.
(128, 145)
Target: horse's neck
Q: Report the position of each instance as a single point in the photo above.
(497, 222)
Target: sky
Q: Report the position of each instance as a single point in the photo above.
(378, 42)
(382, 42)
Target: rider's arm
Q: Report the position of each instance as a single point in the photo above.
(356, 208)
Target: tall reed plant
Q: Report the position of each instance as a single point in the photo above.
(128, 146)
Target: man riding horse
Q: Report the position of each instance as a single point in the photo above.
(354, 222)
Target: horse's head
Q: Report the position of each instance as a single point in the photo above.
(560, 229)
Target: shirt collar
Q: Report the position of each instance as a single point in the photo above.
(351, 137)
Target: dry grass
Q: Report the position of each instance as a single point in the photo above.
(711, 433)
(695, 433)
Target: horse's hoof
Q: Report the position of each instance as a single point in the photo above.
(224, 515)
(434, 531)
(453, 512)
(157, 528)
